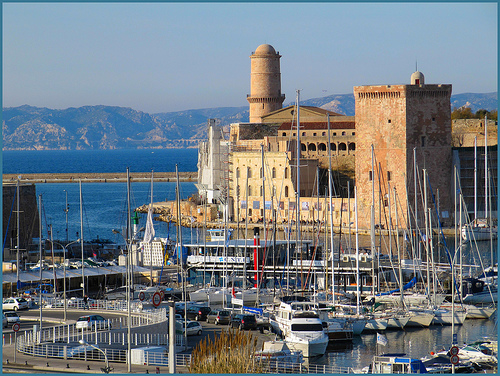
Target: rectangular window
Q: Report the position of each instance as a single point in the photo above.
(389, 175)
(370, 175)
(422, 141)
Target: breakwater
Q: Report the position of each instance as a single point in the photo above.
(114, 177)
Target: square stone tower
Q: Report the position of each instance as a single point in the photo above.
(397, 125)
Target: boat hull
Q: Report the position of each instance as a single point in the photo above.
(420, 319)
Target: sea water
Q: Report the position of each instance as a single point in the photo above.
(104, 205)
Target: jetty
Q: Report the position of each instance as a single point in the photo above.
(110, 177)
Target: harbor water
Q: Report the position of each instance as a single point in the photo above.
(105, 208)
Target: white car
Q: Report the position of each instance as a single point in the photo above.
(12, 317)
(14, 304)
(194, 328)
(92, 321)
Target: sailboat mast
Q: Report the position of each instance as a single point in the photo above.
(475, 177)
(358, 292)
(18, 247)
(150, 241)
(81, 237)
(298, 245)
(485, 167)
(330, 206)
(261, 275)
(372, 222)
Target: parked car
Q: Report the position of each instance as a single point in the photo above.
(91, 321)
(12, 317)
(15, 304)
(193, 328)
(197, 313)
(5, 323)
(220, 316)
(244, 321)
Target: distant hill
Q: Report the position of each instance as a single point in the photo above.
(106, 127)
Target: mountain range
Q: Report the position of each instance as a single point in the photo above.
(107, 127)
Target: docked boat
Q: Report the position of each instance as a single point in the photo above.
(445, 316)
(395, 363)
(301, 328)
(420, 317)
(376, 324)
(278, 351)
(479, 230)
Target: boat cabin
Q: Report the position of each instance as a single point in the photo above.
(396, 363)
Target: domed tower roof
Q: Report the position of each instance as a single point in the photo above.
(265, 49)
(417, 78)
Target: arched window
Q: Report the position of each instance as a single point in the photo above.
(286, 190)
(303, 134)
(260, 173)
(323, 133)
(274, 173)
(286, 172)
(249, 190)
(311, 147)
(343, 133)
(333, 147)
(249, 172)
(237, 172)
(303, 147)
(342, 146)
(352, 146)
(322, 147)
(284, 134)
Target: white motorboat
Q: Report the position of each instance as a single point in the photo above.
(278, 351)
(300, 326)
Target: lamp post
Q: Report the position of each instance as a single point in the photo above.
(64, 268)
(129, 280)
(107, 369)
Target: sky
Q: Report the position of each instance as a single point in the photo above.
(164, 57)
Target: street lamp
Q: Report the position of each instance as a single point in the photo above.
(106, 369)
(129, 281)
(64, 268)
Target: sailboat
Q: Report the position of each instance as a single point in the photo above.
(480, 228)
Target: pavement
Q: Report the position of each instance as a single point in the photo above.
(33, 364)
(22, 363)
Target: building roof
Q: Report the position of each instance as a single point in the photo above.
(319, 125)
(265, 49)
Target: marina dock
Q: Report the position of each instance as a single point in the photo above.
(113, 177)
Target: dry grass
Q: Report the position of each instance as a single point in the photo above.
(230, 352)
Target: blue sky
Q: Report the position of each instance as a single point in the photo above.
(162, 57)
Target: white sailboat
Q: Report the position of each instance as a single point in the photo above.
(480, 228)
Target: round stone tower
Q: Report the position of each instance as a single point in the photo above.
(265, 83)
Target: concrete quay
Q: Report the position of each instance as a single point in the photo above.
(23, 363)
(114, 177)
